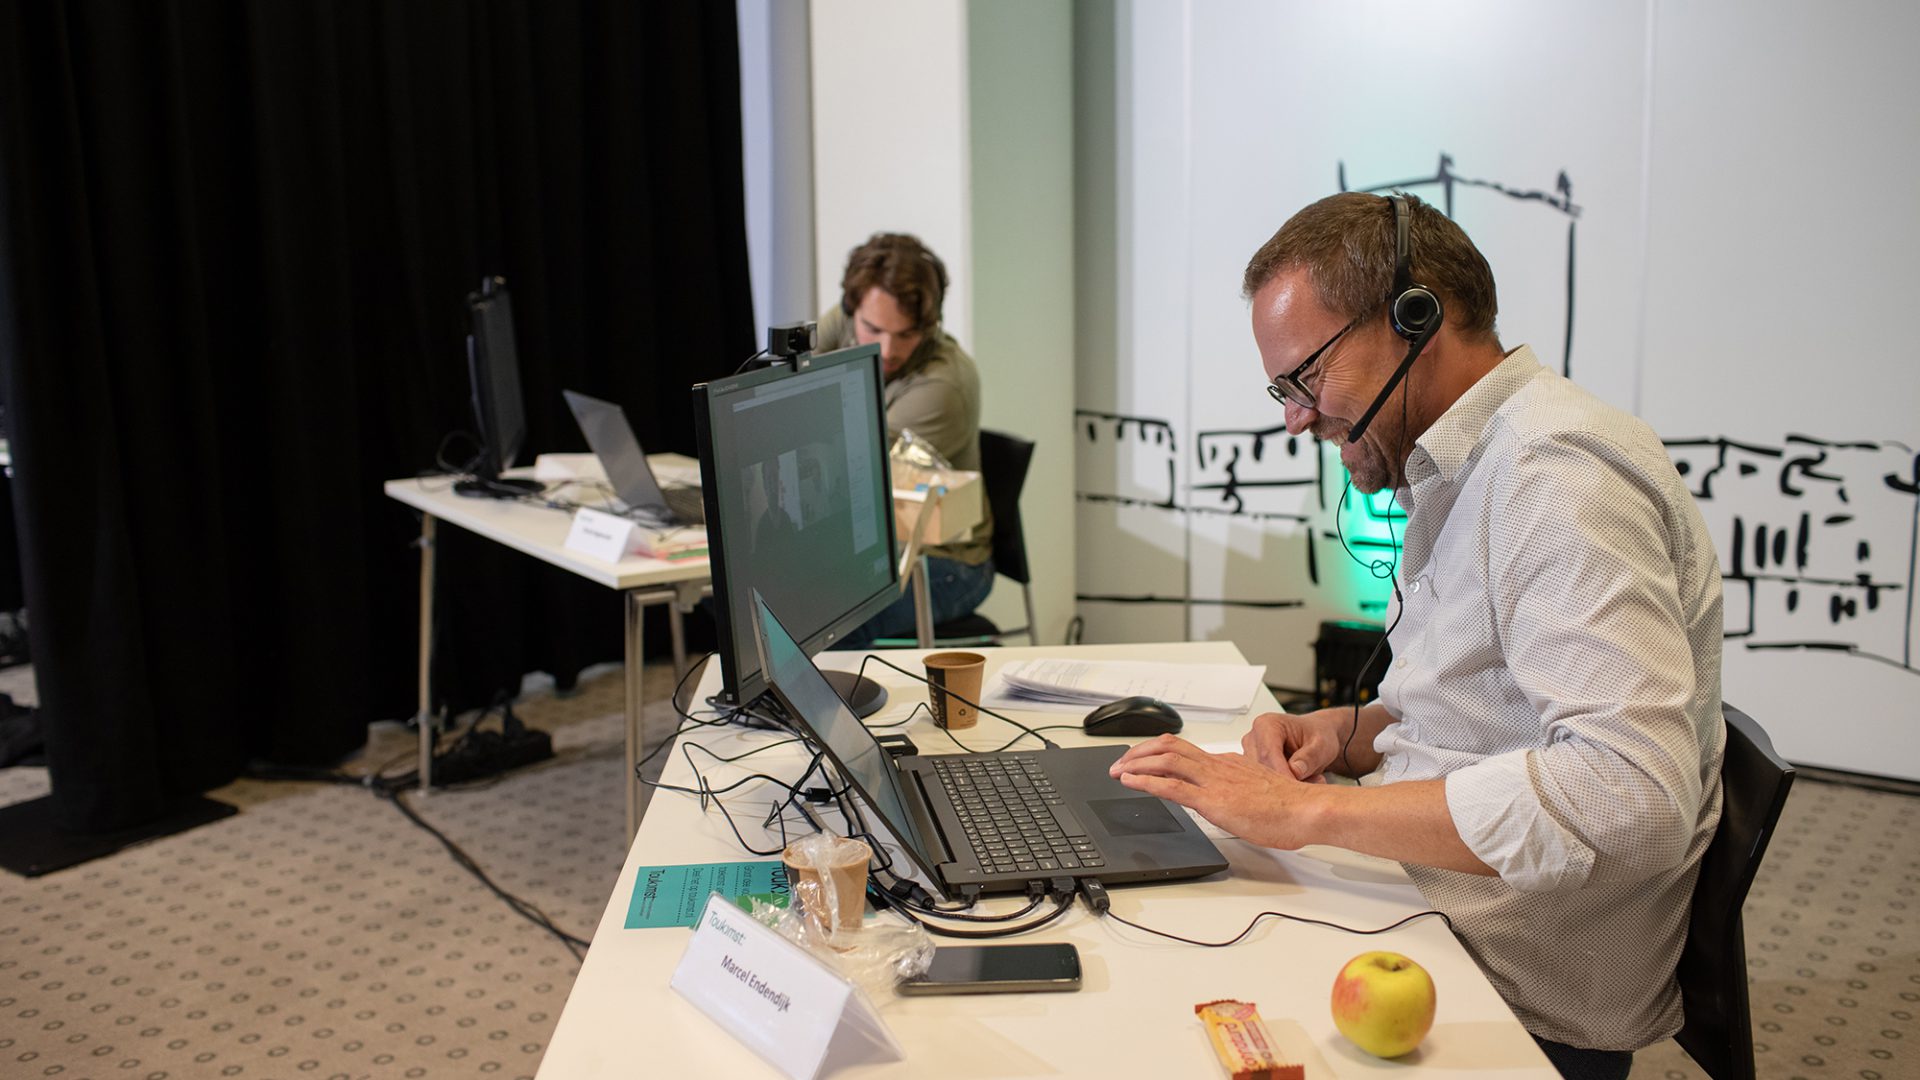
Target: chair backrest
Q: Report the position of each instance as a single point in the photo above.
(1003, 468)
(1718, 1029)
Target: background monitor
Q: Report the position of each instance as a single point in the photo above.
(793, 468)
(493, 371)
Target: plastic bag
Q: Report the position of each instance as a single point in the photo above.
(911, 449)
(873, 955)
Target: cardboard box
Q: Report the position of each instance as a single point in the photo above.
(954, 514)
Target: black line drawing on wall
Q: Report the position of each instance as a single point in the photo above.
(1251, 476)
(1560, 199)
(1817, 541)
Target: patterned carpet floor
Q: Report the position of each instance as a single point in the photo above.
(319, 933)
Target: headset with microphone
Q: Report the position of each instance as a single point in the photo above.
(1416, 314)
(1413, 309)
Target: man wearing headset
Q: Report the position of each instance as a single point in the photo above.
(1544, 755)
(891, 295)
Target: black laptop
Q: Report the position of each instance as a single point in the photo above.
(994, 820)
(612, 440)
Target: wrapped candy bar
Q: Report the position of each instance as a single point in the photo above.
(1244, 1044)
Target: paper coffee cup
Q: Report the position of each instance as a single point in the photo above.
(962, 673)
(828, 878)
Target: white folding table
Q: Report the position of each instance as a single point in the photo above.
(1133, 1015)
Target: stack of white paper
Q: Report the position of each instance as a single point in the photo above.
(1213, 691)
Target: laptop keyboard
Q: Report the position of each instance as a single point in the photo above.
(1015, 821)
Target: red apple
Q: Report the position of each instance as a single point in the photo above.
(1384, 1002)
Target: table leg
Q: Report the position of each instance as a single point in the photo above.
(635, 673)
(677, 626)
(424, 717)
(922, 604)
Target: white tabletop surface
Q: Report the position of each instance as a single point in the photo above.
(1133, 1015)
(541, 531)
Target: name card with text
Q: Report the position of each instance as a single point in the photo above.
(602, 536)
(772, 995)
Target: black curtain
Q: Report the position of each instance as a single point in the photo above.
(237, 241)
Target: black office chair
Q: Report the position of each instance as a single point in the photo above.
(1718, 1029)
(1004, 460)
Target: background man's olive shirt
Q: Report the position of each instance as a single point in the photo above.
(935, 395)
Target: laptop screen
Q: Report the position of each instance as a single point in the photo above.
(861, 759)
(612, 440)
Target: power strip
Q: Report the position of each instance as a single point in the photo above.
(489, 753)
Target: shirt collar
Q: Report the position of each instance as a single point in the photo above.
(921, 356)
(1451, 438)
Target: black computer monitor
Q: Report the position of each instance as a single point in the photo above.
(493, 371)
(793, 468)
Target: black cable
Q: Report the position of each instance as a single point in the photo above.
(915, 711)
(1035, 732)
(795, 792)
(1032, 903)
(689, 721)
(392, 790)
(525, 908)
(725, 760)
(706, 792)
(778, 810)
(1235, 940)
(922, 706)
(1095, 895)
(1392, 575)
(1049, 743)
(471, 465)
(1399, 612)
(1061, 905)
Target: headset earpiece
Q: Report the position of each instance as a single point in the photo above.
(1415, 312)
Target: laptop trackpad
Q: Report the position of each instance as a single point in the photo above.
(1133, 817)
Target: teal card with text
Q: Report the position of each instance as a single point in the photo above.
(675, 895)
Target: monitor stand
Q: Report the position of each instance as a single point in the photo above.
(864, 696)
(498, 487)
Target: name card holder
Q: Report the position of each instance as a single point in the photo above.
(600, 535)
(775, 997)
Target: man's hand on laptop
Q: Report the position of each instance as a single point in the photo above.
(1305, 745)
(1270, 807)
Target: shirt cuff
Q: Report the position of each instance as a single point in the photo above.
(1501, 819)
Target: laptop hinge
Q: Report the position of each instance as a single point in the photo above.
(926, 820)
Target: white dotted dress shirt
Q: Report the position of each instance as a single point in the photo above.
(1557, 661)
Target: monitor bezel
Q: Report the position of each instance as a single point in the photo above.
(743, 688)
(490, 325)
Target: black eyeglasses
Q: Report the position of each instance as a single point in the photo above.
(1291, 387)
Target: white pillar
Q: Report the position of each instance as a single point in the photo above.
(953, 120)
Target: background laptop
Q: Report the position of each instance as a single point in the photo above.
(611, 439)
(986, 819)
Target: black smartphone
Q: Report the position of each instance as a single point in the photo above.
(998, 969)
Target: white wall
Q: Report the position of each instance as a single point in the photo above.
(776, 141)
(890, 138)
(1781, 251)
(1726, 183)
(952, 121)
(1020, 102)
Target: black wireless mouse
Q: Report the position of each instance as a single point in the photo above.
(1133, 717)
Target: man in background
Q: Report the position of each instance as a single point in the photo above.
(891, 296)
